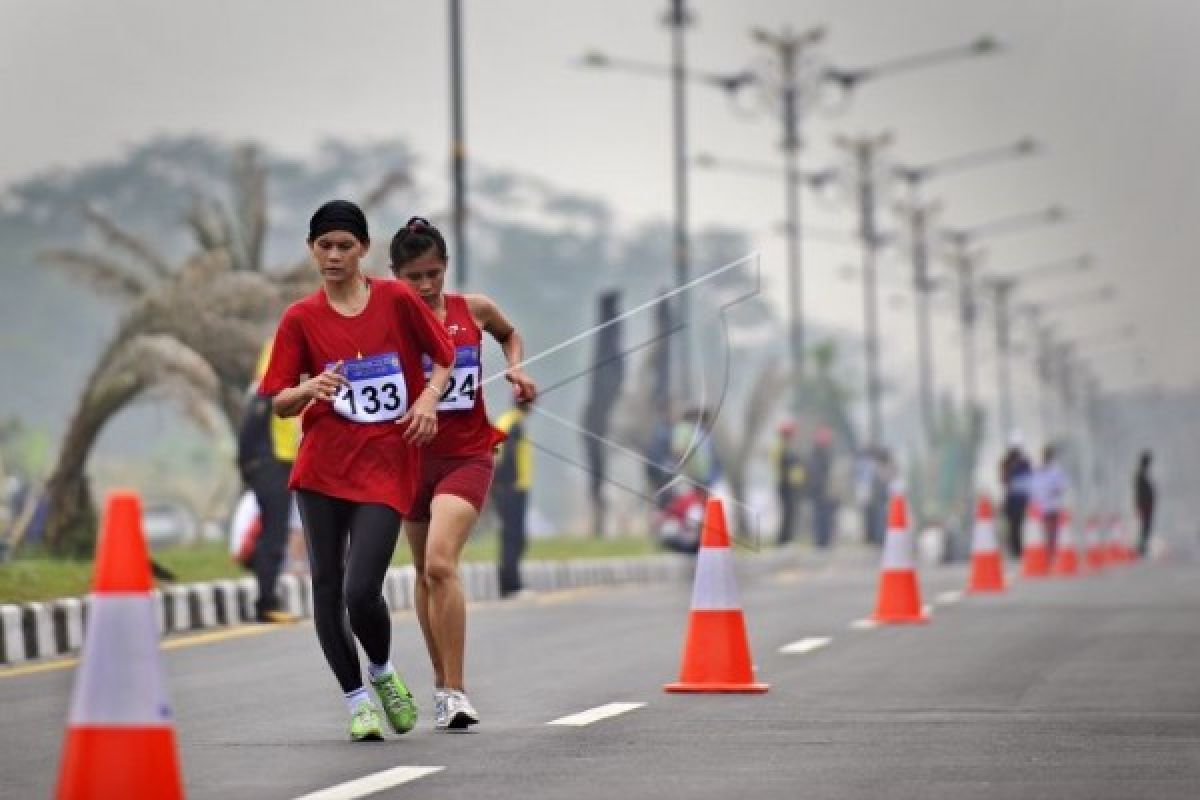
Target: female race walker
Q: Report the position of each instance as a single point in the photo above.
(456, 469)
(349, 357)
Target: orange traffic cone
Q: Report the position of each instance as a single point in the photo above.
(716, 653)
(1066, 555)
(987, 565)
(1111, 541)
(1121, 552)
(899, 599)
(1034, 558)
(1096, 554)
(120, 742)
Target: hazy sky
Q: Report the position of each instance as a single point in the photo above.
(1105, 84)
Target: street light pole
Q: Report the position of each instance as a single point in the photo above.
(864, 151)
(677, 20)
(1002, 289)
(919, 216)
(458, 148)
(789, 50)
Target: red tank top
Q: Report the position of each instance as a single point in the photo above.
(463, 427)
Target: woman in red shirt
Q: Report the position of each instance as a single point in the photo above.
(349, 358)
(457, 467)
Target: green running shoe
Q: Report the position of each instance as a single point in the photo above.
(365, 724)
(397, 702)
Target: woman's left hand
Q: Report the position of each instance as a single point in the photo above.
(524, 389)
(421, 419)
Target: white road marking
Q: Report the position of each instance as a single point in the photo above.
(946, 598)
(805, 645)
(377, 782)
(595, 714)
(864, 624)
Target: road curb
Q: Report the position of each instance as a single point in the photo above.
(33, 631)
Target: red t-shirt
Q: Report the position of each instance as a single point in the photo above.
(463, 427)
(351, 448)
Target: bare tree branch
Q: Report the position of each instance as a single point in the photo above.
(132, 244)
(96, 272)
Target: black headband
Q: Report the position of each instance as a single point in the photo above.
(339, 215)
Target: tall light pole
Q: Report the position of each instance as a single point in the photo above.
(458, 148)
(1002, 288)
(864, 152)
(965, 261)
(677, 19)
(789, 49)
(919, 216)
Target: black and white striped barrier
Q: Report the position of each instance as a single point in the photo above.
(32, 631)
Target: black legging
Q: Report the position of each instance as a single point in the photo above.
(348, 579)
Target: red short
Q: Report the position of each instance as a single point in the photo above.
(468, 477)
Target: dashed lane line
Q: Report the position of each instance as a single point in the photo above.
(370, 784)
(595, 714)
(806, 645)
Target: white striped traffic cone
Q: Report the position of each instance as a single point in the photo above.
(899, 599)
(987, 565)
(716, 653)
(120, 741)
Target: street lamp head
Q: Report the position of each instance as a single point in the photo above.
(1056, 214)
(594, 58)
(735, 82)
(1086, 262)
(984, 45)
(1026, 146)
(705, 160)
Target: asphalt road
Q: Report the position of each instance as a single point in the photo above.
(1082, 688)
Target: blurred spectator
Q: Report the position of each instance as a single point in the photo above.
(510, 493)
(1016, 477)
(1143, 500)
(267, 446)
(1050, 487)
(693, 449)
(789, 478)
(818, 478)
(876, 473)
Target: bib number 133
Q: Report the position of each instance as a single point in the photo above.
(376, 390)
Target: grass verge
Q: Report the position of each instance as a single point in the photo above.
(24, 580)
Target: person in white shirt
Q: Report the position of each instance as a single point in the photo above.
(1050, 488)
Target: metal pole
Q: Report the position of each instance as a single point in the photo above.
(864, 151)
(677, 20)
(918, 218)
(789, 55)
(965, 266)
(458, 150)
(1003, 292)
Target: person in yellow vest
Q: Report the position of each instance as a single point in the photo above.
(789, 479)
(510, 492)
(267, 447)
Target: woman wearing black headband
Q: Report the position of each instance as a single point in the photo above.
(349, 358)
(457, 466)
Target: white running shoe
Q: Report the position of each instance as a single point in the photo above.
(459, 712)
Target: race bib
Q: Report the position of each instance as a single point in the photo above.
(376, 392)
(464, 379)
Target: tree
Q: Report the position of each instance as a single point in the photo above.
(192, 333)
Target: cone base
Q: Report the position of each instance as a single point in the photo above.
(920, 619)
(899, 599)
(987, 574)
(100, 763)
(716, 688)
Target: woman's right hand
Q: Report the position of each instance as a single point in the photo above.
(327, 385)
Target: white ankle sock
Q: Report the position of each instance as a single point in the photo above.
(383, 669)
(358, 696)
